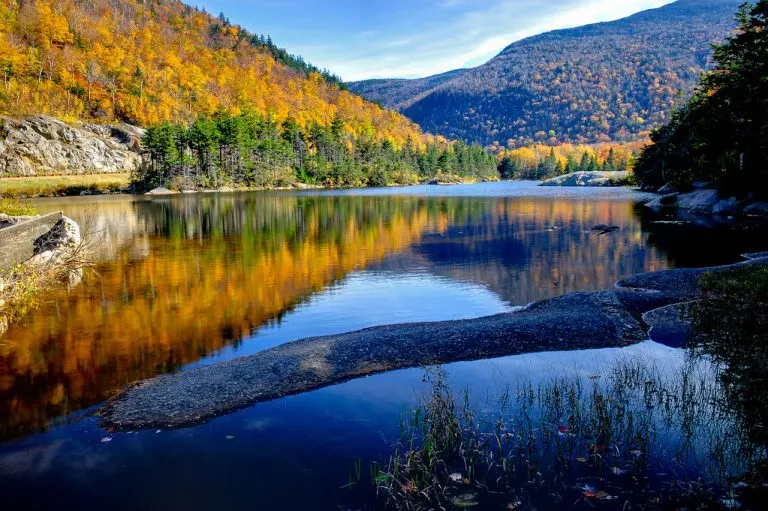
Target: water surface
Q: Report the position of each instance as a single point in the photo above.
(180, 282)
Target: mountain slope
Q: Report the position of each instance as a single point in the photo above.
(149, 61)
(608, 81)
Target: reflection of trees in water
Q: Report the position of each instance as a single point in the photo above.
(530, 249)
(733, 330)
(190, 275)
(706, 243)
(188, 297)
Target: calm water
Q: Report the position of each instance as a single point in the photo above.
(182, 282)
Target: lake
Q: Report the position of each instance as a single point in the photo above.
(184, 281)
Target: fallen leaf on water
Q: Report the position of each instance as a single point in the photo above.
(604, 495)
(465, 500)
(106, 439)
(581, 460)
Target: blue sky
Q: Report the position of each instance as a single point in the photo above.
(360, 39)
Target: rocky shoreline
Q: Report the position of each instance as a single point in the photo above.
(39, 249)
(612, 318)
(707, 202)
(584, 178)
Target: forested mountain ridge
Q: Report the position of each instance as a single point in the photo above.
(146, 62)
(608, 81)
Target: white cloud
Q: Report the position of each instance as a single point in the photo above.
(473, 36)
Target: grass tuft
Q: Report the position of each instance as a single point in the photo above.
(15, 207)
(52, 186)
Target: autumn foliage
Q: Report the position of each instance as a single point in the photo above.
(149, 61)
(542, 161)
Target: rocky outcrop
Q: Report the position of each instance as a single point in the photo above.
(707, 202)
(41, 246)
(759, 209)
(590, 179)
(161, 190)
(570, 322)
(44, 145)
(18, 235)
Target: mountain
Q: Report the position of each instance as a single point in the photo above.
(148, 61)
(608, 81)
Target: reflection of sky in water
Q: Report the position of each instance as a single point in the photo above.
(367, 299)
(307, 442)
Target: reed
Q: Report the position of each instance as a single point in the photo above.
(633, 435)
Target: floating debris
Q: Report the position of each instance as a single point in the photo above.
(158, 431)
(106, 439)
(604, 495)
(465, 500)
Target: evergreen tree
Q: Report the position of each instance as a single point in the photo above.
(721, 135)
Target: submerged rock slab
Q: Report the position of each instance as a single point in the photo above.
(572, 322)
(576, 321)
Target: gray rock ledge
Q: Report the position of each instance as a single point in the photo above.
(571, 322)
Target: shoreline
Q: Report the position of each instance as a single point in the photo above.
(611, 318)
(81, 186)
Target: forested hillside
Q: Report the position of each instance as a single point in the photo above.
(719, 136)
(149, 61)
(605, 82)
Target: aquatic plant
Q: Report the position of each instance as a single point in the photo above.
(631, 435)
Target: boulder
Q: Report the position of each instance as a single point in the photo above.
(44, 145)
(590, 179)
(60, 246)
(161, 190)
(757, 209)
(726, 207)
(7, 220)
(698, 201)
(667, 189)
(605, 229)
(664, 201)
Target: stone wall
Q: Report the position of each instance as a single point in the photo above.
(17, 242)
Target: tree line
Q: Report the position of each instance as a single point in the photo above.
(544, 162)
(252, 150)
